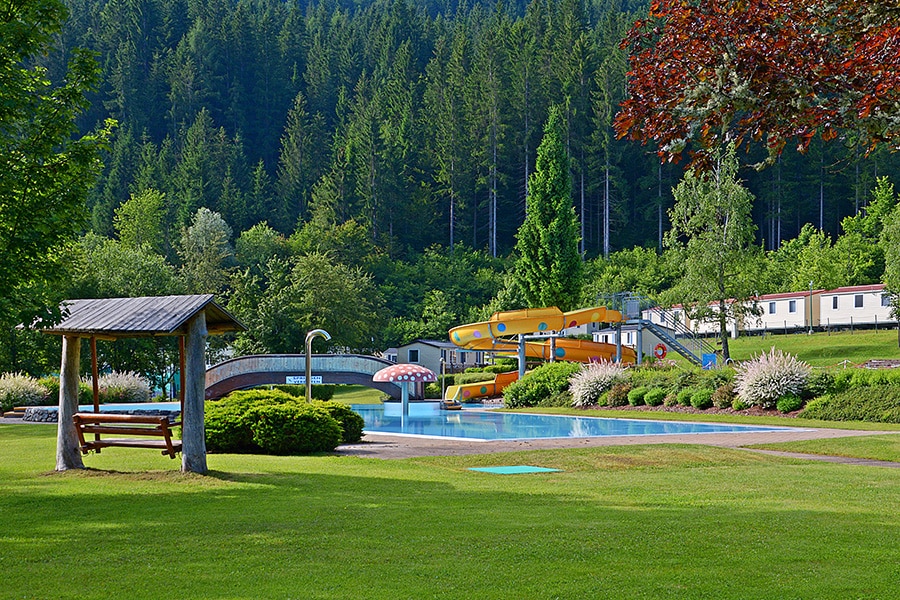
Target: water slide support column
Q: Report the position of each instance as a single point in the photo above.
(521, 355)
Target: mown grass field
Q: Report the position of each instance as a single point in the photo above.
(628, 522)
(823, 349)
(875, 447)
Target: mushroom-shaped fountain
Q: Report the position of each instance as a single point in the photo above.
(404, 374)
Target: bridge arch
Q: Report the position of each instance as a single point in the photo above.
(273, 369)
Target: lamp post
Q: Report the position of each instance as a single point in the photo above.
(810, 307)
(309, 338)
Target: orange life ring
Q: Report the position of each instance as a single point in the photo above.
(660, 351)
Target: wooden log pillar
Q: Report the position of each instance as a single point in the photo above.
(68, 451)
(193, 429)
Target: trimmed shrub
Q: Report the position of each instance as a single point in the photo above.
(593, 379)
(789, 403)
(618, 394)
(724, 396)
(818, 384)
(767, 377)
(545, 381)
(684, 396)
(17, 389)
(880, 404)
(702, 399)
(636, 396)
(293, 428)
(655, 397)
(738, 404)
(320, 391)
(350, 421)
(561, 399)
(670, 400)
(227, 429)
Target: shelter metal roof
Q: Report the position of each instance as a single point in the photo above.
(141, 317)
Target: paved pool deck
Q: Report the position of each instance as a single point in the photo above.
(383, 446)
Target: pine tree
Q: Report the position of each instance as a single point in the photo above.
(549, 266)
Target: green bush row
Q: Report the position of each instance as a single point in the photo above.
(877, 403)
(544, 382)
(320, 391)
(276, 422)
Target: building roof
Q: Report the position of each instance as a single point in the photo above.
(434, 344)
(141, 317)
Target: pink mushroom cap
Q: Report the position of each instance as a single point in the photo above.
(404, 372)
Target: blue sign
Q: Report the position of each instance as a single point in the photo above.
(708, 361)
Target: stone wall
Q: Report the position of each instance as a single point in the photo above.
(43, 414)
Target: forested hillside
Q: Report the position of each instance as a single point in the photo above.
(420, 120)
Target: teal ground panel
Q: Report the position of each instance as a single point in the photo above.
(513, 469)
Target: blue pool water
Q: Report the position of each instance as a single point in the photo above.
(427, 419)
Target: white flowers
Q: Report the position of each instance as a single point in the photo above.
(594, 379)
(767, 377)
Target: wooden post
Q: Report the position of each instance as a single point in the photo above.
(68, 452)
(193, 430)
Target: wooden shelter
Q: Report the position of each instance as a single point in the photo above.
(191, 318)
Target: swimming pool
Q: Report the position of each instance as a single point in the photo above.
(427, 419)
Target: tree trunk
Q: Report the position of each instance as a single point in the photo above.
(193, 430)
(68, 451)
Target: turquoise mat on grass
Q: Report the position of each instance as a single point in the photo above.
(514, 469)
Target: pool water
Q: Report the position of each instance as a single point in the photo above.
(427, 419)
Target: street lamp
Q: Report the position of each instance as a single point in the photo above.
(309, 339)
(810, 307)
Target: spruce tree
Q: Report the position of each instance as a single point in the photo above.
(549, 267)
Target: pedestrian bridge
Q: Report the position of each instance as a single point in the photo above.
(274, 369)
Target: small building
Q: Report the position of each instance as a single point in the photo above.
(855, 305)
(430, 353)
(786, 311)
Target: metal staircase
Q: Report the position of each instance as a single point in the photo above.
(681, 339)
(673, 333)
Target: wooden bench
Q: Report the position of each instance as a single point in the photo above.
(95, 424)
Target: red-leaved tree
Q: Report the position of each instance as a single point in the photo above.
(771, 71)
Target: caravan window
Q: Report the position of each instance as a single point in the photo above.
(792, 306)
(858, 301)
(413, 356)
(771, 308)
(885, 300)
(834, 302)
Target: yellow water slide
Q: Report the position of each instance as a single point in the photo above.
(499, 333)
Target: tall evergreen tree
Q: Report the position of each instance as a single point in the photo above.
(549, 266)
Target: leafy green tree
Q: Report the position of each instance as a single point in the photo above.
(296, 295)
(46, 170)
(890, 244)
(712, 230)
(549, 265)
(140, 220)
(206, 253)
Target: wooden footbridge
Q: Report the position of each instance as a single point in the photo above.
(269, 369)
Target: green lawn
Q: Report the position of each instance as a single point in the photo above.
(357, 394)
(822, 349)
(629, 522)
(876, 447)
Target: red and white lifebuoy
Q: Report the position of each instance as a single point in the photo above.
(660, 351)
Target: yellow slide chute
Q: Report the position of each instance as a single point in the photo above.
(498, 333)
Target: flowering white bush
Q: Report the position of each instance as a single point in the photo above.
(767, 377)
(122, 387)
(588, 383)
(17, 389)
